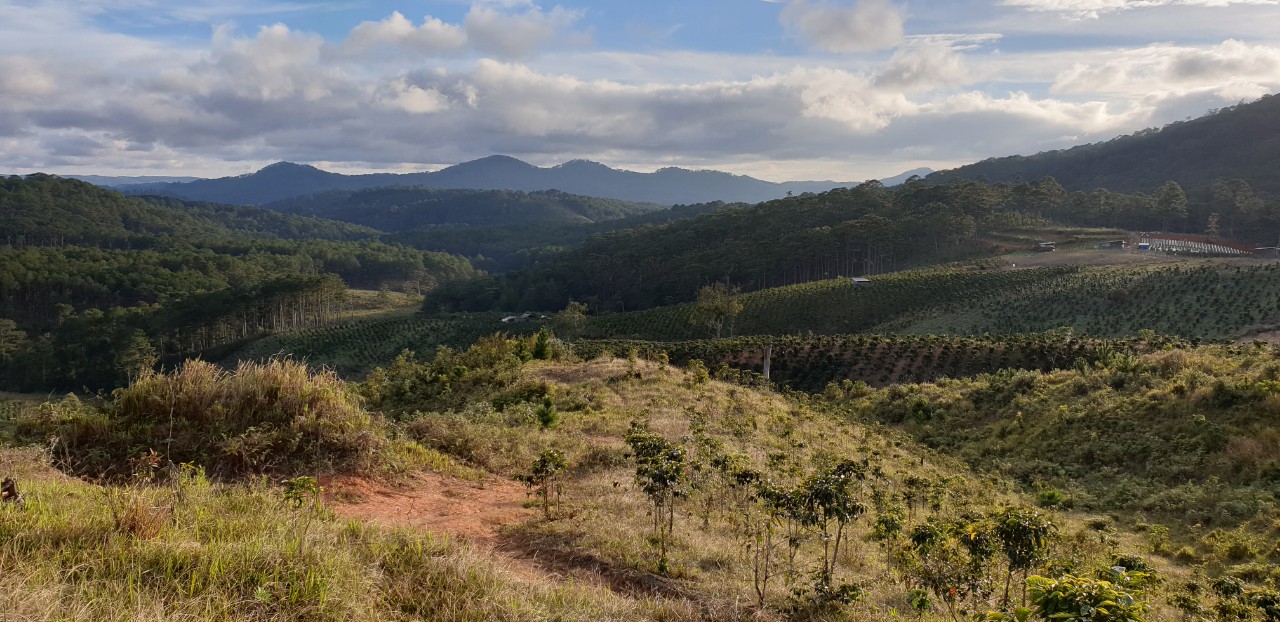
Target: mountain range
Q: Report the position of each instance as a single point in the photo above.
(667, 186)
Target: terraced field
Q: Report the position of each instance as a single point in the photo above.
(832, 306)
(1206, 299)
(811, 363)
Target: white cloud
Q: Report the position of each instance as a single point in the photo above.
(432, 36)
(1092, 9)
(923, 66)
(1165, 69)
(23, 76)
(73, 95)
(514, 35)
(865, 25)
(412, 98)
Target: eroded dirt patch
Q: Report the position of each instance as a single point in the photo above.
(472, 510)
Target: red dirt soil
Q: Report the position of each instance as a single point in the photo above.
(471, 510)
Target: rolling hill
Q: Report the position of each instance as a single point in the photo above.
(1241, 142)
(400, 208)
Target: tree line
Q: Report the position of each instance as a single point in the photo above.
(867, 229)
(94, 285)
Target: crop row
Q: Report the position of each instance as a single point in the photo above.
(810, 363)
(1206, 300)
(832, 306)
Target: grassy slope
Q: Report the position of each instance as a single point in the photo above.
(223, 551)
(241, 552)
(1186, 436)
(810, 363)
(603, 521)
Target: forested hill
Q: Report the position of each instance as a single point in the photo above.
(1240, 142)
(867, 229)
(666, 186)
(94, 284)
(395, 209)
(857, 230)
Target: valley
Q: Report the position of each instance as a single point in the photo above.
(948, 399)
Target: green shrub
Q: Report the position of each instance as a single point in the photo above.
(272, 417)
(1053, 498)
(1079, 599)
(548, 417)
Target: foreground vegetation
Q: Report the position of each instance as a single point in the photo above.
(179, 547)
(683, 497)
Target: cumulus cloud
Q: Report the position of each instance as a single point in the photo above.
(24, 76)
(411, 98)
(453, 92)
(513, 35)
(923, 66)
(432, 36)
(506, 29)
(1092, 9)
(842, 28)
(1165, 69)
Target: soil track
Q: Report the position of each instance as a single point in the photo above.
(475, 511)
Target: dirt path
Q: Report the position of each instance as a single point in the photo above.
(474, 511)
(477, 512)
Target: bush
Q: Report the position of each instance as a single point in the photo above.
(271, 417)
(1053, 498)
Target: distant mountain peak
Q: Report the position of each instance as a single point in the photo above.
(583, 165)
(287, 166)
(498, 159)
(671, 185)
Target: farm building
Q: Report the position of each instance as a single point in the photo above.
(527, 316)
(859, 281)
(1045, 247)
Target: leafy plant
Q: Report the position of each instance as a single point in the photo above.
(660, 474)
(1080, 599)
(543, 479)
(1024, 536)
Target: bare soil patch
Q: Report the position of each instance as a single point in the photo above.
(475, 511)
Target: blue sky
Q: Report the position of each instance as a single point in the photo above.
(782, 89)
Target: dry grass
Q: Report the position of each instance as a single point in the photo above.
(270, 417)
(236, 552)
(191, 549)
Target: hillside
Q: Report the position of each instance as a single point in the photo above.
(770, 505)
(849, 231)
(862, 231)
(1237, 142)
(96, 286)
(1193, 299)
(508, 247)
(42, 210)
(909, 326)
(667, 186)
(396, 209)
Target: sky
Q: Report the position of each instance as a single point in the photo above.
(844, 90)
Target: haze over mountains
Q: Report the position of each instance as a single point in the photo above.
(668, 186)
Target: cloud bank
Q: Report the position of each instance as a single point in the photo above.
(518, 79)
